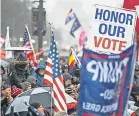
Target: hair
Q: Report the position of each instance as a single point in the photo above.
(2, 69)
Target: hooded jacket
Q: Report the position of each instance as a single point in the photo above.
(37, 75)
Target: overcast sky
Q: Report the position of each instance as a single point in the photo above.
(57, 11)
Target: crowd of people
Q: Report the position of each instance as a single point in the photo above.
(20, 77)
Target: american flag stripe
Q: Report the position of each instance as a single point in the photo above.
(59, 86)
(49, 65)
(48, 73)
(58, 100)
(53, 76)
(56, 105)
(59, 97)
(27, 43)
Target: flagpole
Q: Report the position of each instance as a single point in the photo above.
(31, 42)
(51, 89)
(7, 44)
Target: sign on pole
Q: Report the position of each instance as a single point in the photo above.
(112, 29)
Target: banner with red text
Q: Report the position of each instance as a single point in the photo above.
(112, 29)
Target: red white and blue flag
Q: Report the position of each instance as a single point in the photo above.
(83, 37)
(71, 15)
(27, 43)
(53, 77)
(76, 24)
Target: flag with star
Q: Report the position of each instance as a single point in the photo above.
(28, 44)
(53, 77)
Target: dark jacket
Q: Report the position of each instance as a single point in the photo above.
(17, 75)
(39, 78)
(33, 112)
(136, 81)
(4, 105)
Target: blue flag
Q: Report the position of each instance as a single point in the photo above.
(103, 83)
(76, 25)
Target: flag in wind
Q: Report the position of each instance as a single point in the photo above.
(53, 76)
(71, 15)
(28, 44)
(73, 60)
(83, 37)
(7, 45)
(76, 24)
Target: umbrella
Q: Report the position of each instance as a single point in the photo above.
(41, 95)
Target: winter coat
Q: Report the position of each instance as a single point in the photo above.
(17, 76)
(4, 105)
(34, 112)
(39, 78)
(136, 81)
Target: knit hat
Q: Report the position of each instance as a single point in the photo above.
(65, 66)
(5, 86)
(16, 91)
(31, 78)
(67, 76)
(35, 105)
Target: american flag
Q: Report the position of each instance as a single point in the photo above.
(27, 43)
(53, 76)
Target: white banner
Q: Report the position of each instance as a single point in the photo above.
(112, 29)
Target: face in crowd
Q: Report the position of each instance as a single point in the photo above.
(6, 92)
(41, 71)
(40, 109)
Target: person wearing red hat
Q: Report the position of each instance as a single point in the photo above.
(16, 91)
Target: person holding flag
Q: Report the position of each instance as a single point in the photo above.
(31, 55)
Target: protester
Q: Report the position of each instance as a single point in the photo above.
(17, 75)
(75, 83)
(39, 73)
(65, 68)
(26, 86)
(136, 76)
(16, 91)
(32, 80)
(7, 97)
(39, 108)
(3, 75)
